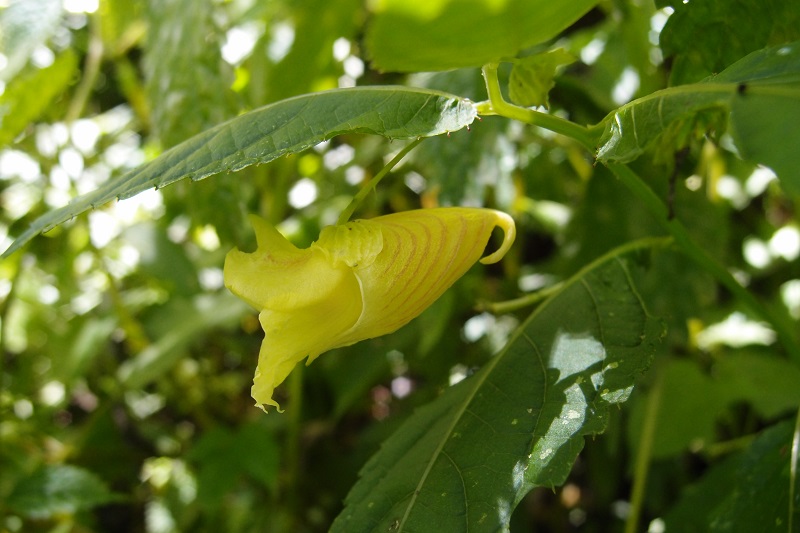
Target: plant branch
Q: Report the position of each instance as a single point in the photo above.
(522, 302)
(684, 241)
(793, 471)
(91, 70)
(644, 453)
(497, 105)
(369, 187)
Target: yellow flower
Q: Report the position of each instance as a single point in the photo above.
(359, 280)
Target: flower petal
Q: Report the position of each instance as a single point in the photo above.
(425, 251)
(290, 336)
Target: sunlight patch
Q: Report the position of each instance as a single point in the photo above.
(735, 331)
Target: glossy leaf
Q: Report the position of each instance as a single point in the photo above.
(761, 92)
(421, 35)
(464, 461)
(286, 127)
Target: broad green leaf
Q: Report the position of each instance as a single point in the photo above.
(282, 128)
(187, 82)
(423, 35)
(761, 92)
(57, 490)
(464, 461)
(24, 25)
(27, 96)
(747, 492)
(703, 37)
(532, 77)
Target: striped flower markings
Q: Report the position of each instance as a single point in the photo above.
(359, 280)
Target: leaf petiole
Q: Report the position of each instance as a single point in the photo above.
(497, 105)
(369, 187)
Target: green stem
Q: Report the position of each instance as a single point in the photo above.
(91, 70)
(531, 299)
(497, 105)
(294, 429)
(520, 303)
(644, 453)
(678, 231)
(369, 187)
(793, 472)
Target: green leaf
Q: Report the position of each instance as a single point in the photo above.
(282, 128)
(57, 490)
(317, 24)
(747, 492)
(768, 383)
(761, 92)
(24, 25)
(532, 77)
(423, 35)
(224, 456)
(705, 36)
(187, 81)
(464, 461)
(27, 96)
(766, 109)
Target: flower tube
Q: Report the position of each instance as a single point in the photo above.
(359, 280)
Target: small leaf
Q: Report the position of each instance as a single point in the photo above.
(265, 134)
(533, 77)
(464, 461)
(58, 489)
(424, 35)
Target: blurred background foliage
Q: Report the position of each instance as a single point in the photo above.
(126, 366)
